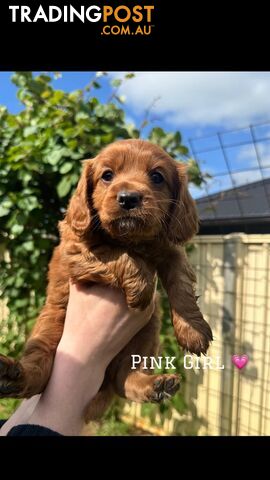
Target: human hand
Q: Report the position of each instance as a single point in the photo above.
(98, 325)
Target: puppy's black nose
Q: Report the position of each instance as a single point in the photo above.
(129, 200)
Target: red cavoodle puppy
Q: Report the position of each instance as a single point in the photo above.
(125, 226)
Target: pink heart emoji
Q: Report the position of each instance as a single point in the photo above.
(240, 362)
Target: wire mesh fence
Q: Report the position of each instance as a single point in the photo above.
(234, 158)
(233, 279)
(238, 191)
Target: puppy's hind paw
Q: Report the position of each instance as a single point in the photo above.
(164, 386)
(11, 377)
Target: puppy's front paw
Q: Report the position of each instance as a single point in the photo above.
(11, 378)
(195, 337)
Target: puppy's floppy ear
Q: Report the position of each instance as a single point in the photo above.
(184, 222)
(78, 214)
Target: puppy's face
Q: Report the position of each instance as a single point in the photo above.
(136, 191)
(132, 188)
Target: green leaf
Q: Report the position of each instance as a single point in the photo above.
(44, 78)
(128, 76)
(81, 116)
(57, 75)
(144, 123)
(21, 302)
(64, 187)
(57, 154)
(101, 74)
(46, 94)
(66, 167)
(29, 131)
(72, 144)
(28, 203)
(107, 138)
(12, 121)
(28, 246)
(120, 98)
(19, 282)
(116, 82)
(20, 78)
(178, 137)
(17, 229)
(4, 211)
(57, 97)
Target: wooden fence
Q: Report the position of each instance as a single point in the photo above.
(233, 284)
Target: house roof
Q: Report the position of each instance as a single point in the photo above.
(245, 204)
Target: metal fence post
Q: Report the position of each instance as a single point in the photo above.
(228, 331)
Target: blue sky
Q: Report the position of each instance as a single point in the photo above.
(199, 104)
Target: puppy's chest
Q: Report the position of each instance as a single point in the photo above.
(109, 253)
(150, 253)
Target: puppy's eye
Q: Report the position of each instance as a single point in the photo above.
(156, 178)
(107, 176)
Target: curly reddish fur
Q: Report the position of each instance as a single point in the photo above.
(103, 243)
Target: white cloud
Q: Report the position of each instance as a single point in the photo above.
(224, 182)
(247, 154)
(201, 98)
